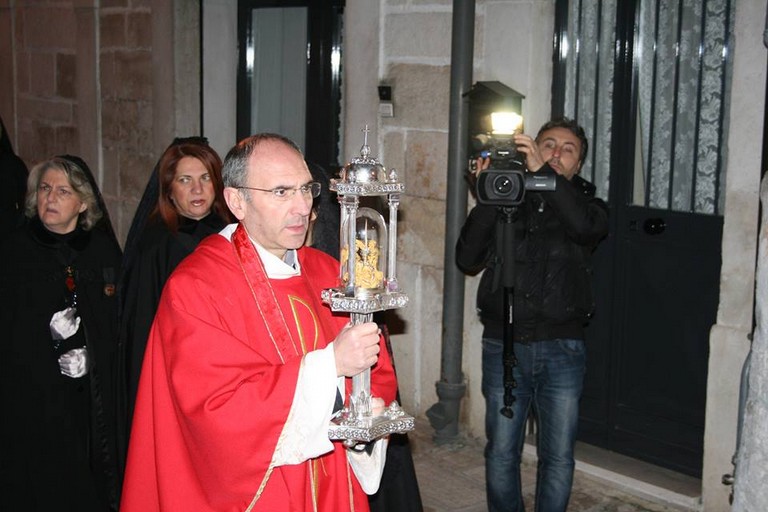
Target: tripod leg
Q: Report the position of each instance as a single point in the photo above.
(508, 357)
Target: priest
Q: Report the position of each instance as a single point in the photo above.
(245, 367)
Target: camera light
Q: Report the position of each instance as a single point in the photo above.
(506, 123)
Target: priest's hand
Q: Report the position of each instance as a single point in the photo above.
(377, 405)
(356, 348)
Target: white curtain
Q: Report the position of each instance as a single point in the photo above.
(589, 89)
(681, 56)
(681, 102)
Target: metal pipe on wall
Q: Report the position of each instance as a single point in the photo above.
(444, 415)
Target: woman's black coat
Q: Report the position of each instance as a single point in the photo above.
(159, 251)
(13, 185)
(57, 443)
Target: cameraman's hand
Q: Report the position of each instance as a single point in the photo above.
(533, 159)
(481, 164)
(356, 348)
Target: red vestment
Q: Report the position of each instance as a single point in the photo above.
(217, 386)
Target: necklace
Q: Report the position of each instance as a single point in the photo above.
(69, 280)
(71, 300)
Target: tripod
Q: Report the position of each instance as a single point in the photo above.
(504, 275)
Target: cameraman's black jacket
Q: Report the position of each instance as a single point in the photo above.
(555, 234)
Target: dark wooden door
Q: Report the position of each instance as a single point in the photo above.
(654, 108)
(646, 385)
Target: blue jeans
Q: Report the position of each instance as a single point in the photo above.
(549, 377)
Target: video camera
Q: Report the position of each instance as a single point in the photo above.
(505, 181)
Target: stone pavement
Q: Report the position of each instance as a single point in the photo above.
(452, 479)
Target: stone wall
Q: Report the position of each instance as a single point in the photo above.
(108, 80)
(41, 44)
(416, 42)
(750, 490)
(125, 71)
(729, 338)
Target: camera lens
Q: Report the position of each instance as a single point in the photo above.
(503, 185)
(502, 188)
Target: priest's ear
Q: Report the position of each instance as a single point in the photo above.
(235, 201)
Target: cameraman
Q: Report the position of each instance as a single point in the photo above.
(555, 233)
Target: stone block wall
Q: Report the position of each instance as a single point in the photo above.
(126, 77)
(44, 48)
(729, 341)
(415, 42)
(98, 79)
(751, 472)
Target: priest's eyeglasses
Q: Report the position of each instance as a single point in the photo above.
(283, 193)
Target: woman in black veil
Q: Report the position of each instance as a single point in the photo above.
(58, 309)
(182, 204)
(324, 235)
(13, 176)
